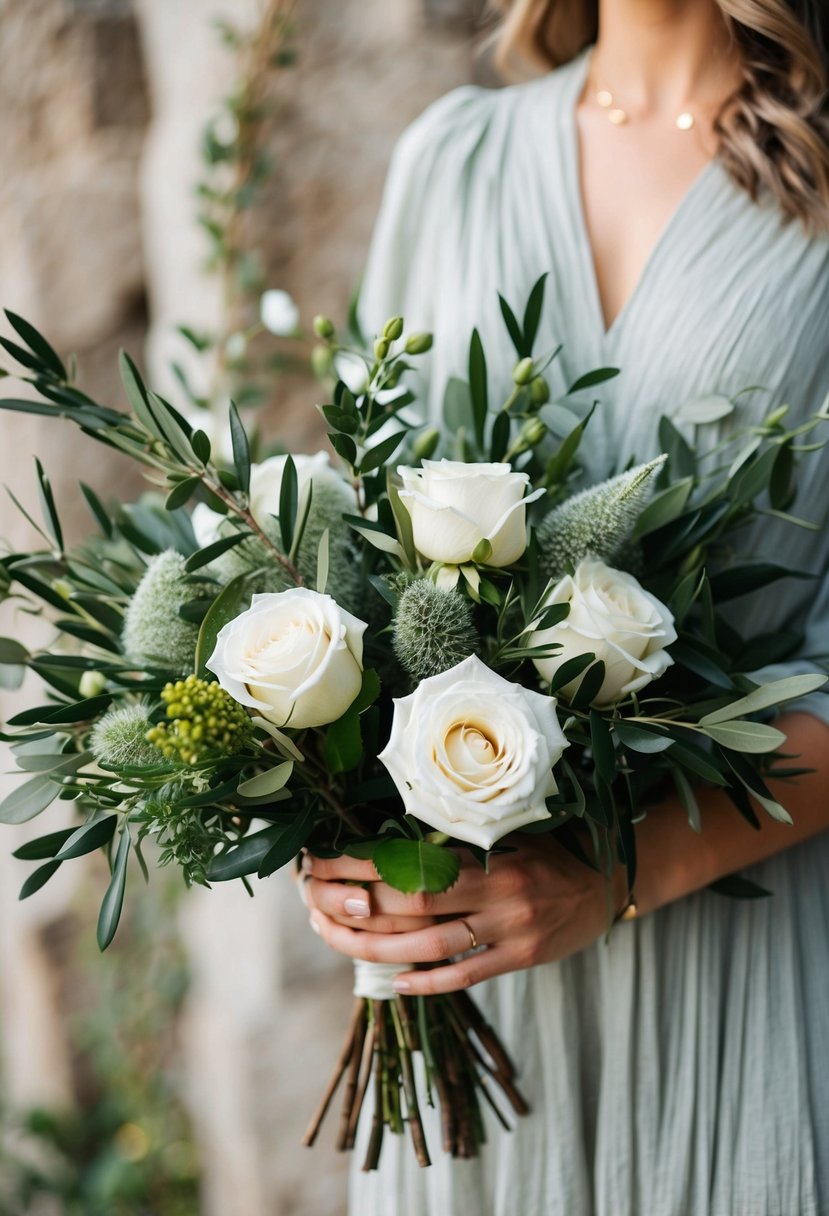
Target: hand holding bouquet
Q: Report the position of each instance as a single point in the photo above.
(444, 640)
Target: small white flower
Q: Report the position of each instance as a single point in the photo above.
(472, 754)
(454, 506)
(611, 616)
(294, 656)
(278, 313)
(352, 370)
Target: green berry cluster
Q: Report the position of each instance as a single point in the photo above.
(204, 721)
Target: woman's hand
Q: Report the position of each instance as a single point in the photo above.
(537, 904)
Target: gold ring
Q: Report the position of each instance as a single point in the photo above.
(473, 941)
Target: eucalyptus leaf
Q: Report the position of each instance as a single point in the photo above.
(791, 688)
(478, 386)
(343, 748)
(648, 740)
(38, 879)
(241, 448)
(87, 838)
(286, 846)
(288, 503)
(113, 900)
(754, 737)
(704, 410)
(203, 557)
(269, 782)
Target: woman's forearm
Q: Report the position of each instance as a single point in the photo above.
(673, 860)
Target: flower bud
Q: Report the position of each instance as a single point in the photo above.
(393, 329)
(539, 391)
(418, 344)
(92, 683)
(321, 362)
(61, 587)
(235, 347)
(323, 327)
(523, 372)
(426, 443)
(381, 348)
(532, 432)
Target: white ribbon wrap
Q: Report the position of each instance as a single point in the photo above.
(374, 980)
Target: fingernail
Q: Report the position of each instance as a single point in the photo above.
(401, 986)
(307, 863)
(314, 923)
(357, 907)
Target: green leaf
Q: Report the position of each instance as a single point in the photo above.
(288, 503)
(323, 562)
(698, 761)
(37, 343)
(752, 737)
(588, 690)
(97, 508)
(38, 879)
(88, 837)
(343, 748)
(113, 900)
(379, 455)
(478, 386)
(227, 605)
(664, 507)
(269, 782)
(647, 740)
(513, 328)
(200, 444)
(591, 379)
(47, 501)
(137, 394)
(415, 865)
(682, 459)
(570, 670)
(29, 799)
(753, 477)
(756, 786)
(402, 519)
(704, 410)
(286, 846)
(43, 846)
(203, 557)
(244, 858)
(687, 797)
(457, 406)
(697, 660)
(12, 651)
(180, 493)
(740, 580)
(791, 688)
(532, 314)
(345, 447)
(241, 449)
(601, 740)
(737, 886)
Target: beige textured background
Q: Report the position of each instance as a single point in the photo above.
(101, 107)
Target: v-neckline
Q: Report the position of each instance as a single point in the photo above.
(573, 182)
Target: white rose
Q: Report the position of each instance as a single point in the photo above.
(454, 506)
(295, 656)
(612, 616)
(472, 754)
(265, 488)
(278, 313)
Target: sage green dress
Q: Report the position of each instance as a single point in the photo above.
(683, 1069)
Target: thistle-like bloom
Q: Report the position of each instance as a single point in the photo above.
(203, 722)
(433, 629)
(154, 633)
(597, 522)
(119, 739)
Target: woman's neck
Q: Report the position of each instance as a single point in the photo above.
(662, 55)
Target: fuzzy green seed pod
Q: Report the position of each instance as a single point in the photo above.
(393, 328)
(523, 371)
(323, 327)
(433, 630)
(154, 633)
(597, 522)
(119, 739)
(418, 344)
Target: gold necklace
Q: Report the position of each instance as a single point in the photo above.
(684, 121)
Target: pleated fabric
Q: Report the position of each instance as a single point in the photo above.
(682, 1069)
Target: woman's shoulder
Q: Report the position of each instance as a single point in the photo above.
(473, 120)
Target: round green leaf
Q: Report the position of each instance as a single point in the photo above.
(416, 865)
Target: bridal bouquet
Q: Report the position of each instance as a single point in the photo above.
(442, 639)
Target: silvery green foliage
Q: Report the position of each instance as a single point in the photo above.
(118, 739)
(154, 633)
(328, 504)
(597, 522)
(433, 630)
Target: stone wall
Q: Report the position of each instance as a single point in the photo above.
(101, 108)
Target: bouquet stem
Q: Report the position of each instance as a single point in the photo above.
(464, 1062)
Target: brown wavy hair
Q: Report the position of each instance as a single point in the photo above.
(773, 131)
